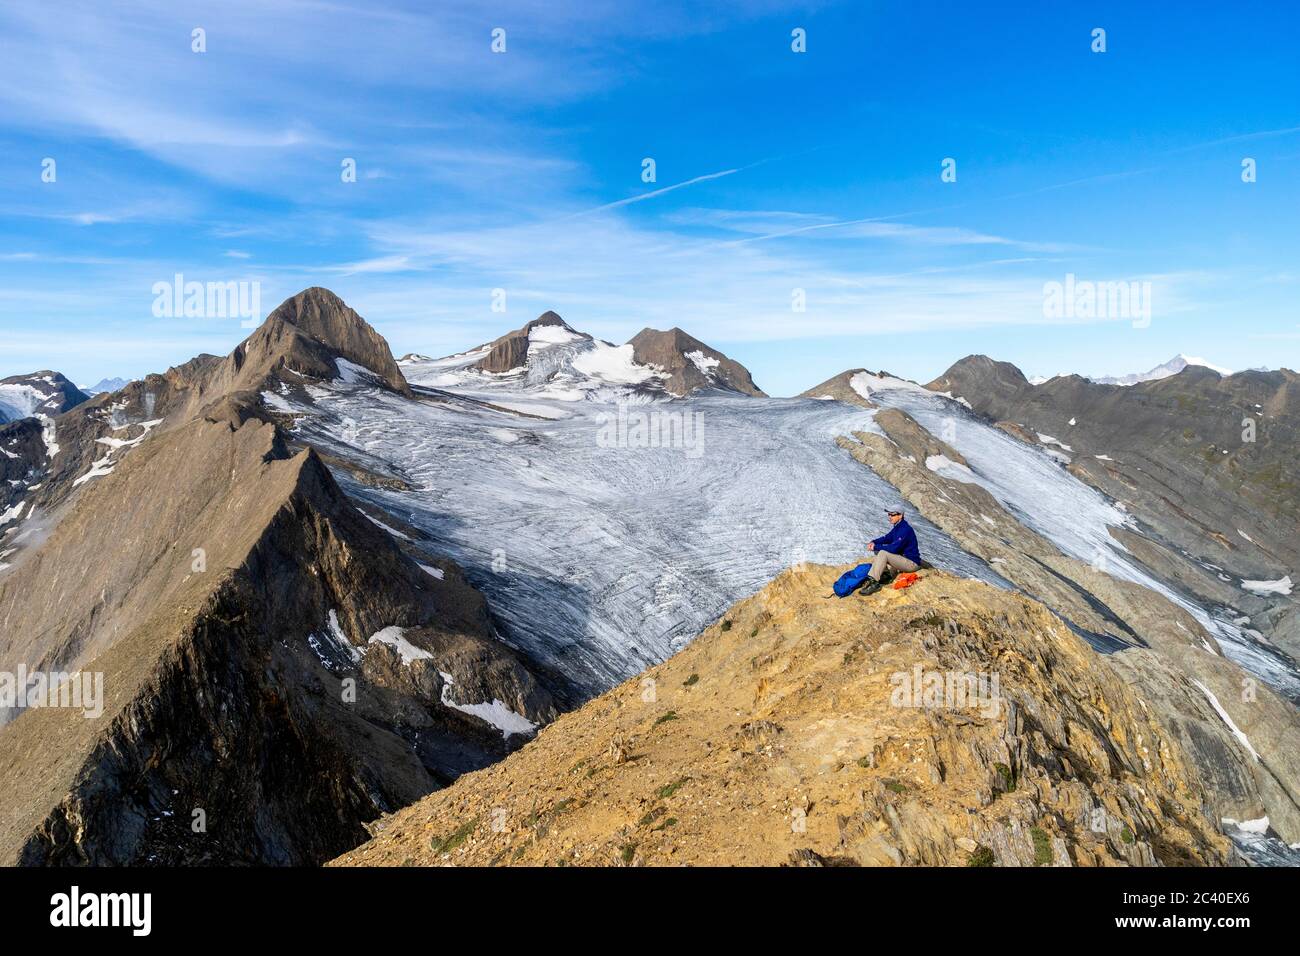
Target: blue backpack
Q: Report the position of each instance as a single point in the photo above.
(850, 581)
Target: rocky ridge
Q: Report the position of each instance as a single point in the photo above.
(272, 659)
(788, 734)
(549, 359)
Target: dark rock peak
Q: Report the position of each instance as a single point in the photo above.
(669, 350)
(548, 318)
(328, 321)
(977, 368)
(1191, 373)
(45, 373)
(840, 387)
(676, 337)
(510, 351)
(324, 316)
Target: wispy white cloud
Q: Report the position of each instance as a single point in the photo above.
(751, 221)
(877, 228)
(252, 104)
(1239, 138)
(642, 197)
(68, 209)
(614, 277)
(382, 264)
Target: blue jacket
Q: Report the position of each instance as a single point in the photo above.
(901, 540)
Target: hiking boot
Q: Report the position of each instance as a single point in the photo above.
(871, 587)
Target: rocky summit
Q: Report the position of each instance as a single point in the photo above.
(690, 364)
(549, 358)
(41, 395)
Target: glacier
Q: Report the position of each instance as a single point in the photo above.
(601, 558)
(598, 559)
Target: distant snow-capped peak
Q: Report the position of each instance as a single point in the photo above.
(106, 385)
(38, 395)
(1164, 370)
(1172, 367)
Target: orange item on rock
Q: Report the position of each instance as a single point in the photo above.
(905, 580)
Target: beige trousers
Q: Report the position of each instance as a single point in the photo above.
(885, 559)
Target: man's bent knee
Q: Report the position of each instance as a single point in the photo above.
(879, 563)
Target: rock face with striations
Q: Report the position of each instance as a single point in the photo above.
(307, 334)
(689, 364)
(805, 732)
(1206, 462)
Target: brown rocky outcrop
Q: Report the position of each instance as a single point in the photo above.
(672, 352)
(841, 389)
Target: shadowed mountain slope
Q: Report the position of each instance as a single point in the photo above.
(42, 394)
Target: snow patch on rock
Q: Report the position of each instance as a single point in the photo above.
(350, 373)
(945, 467)
(1280, 586)
(395, 637)
(613, 364)
(496, 713)
(1049, 440)
(546, 335)
(703, 362)
(1223, 715)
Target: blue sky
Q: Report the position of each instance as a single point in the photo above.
(775, 171)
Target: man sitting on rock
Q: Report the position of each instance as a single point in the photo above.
(895, 551)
